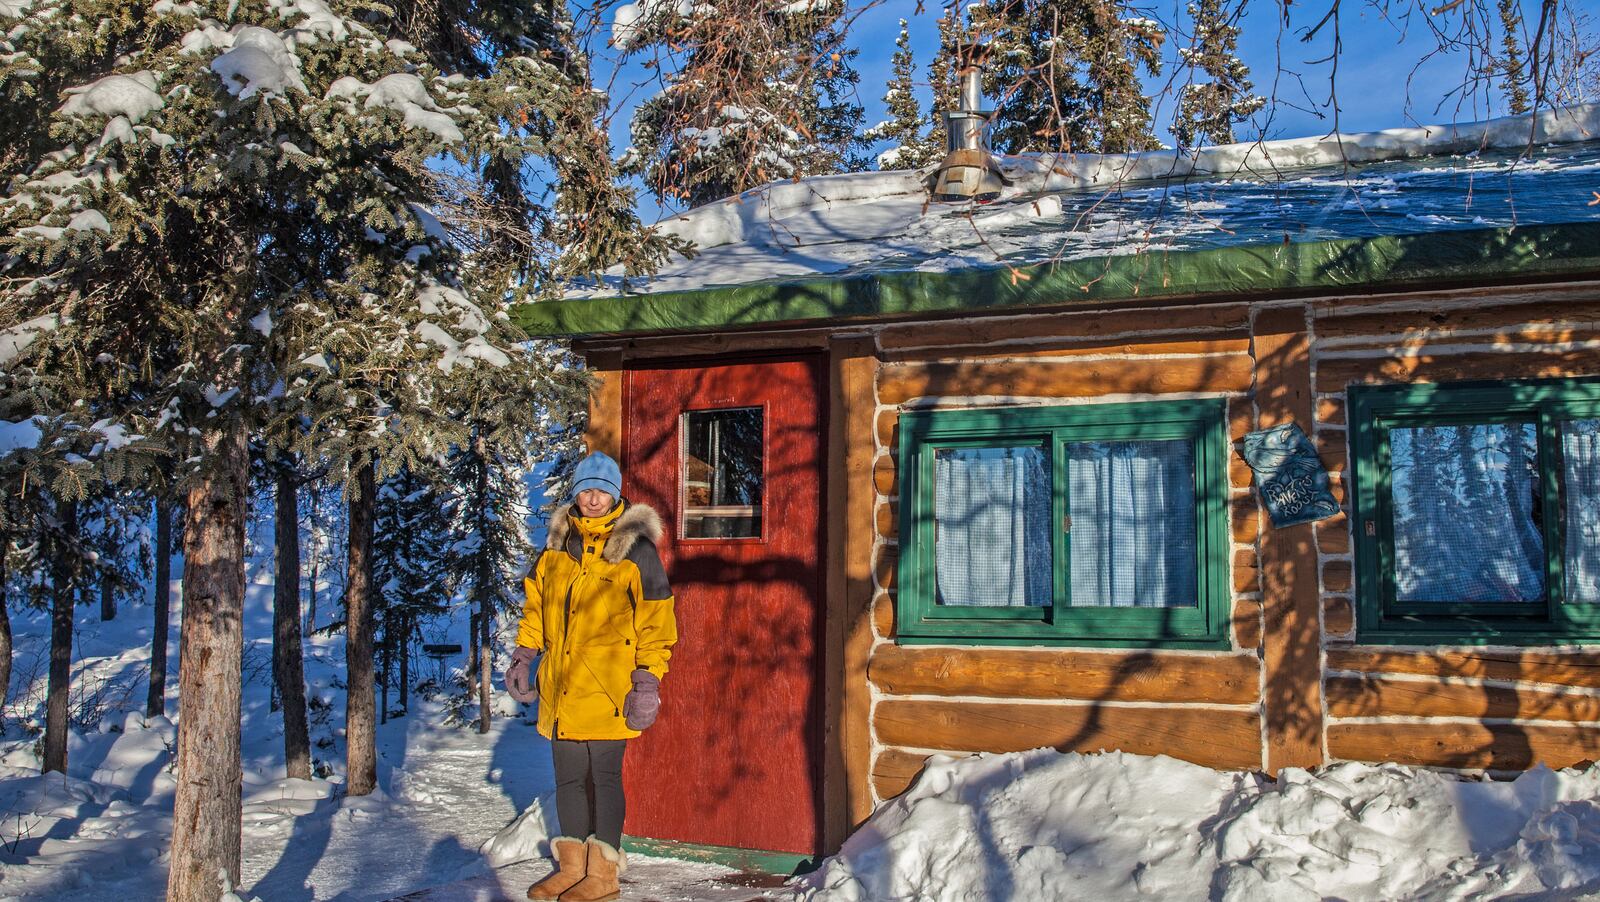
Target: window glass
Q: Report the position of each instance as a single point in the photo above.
(1095, 525)
(1133, 524)
(992, 527)
(1466, 513)
(1580, 454)
(722, 473)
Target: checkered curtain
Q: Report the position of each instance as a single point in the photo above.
(992, 527)
(1133, 524)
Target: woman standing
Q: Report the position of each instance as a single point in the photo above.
(598, 619)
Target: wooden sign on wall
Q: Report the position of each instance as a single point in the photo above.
(1289, 475)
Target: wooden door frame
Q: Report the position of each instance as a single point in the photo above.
(608, 431)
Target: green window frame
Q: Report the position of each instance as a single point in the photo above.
(921, 620)
(1382, 618)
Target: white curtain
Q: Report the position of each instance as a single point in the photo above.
(1580, 447)
(1133, 524)
(992, 522)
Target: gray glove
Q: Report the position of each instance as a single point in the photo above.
(644, 701)
(519, 681)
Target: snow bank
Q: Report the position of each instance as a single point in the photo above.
(133, 754)
(526, 837)
(1043, 824)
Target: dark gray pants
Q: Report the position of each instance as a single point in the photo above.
(589, 788)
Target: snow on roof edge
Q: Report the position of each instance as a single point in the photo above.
(1059, 172)
(755, 216)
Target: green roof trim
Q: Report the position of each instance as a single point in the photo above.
(1476, 256)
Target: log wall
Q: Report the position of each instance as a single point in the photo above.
(1200, 706)
(1294, 689)
(1476, 708)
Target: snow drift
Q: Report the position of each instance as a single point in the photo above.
(1047, 825)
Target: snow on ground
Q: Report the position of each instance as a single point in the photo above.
(652, 879)
(1047, 825)
(465, 816)
(100, 832)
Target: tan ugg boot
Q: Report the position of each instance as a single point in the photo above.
(600, 883)
(569, 852)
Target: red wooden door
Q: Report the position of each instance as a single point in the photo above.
(731, 457)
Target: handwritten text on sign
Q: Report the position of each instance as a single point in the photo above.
(1289, 474)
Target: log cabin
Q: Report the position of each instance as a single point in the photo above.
(957, 477)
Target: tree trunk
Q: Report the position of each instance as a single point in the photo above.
(361, 760)
(156, 702)
(205, 825)
(388, 662)
(405, 665)
(484, 659)
(288, 661)
(60, 682)
(472, 645)
(5, 625)
(311, 588)
(108, 597)
(485, 586)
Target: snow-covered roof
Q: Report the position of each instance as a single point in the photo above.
(1495, 176)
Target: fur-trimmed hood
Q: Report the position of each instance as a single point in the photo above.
(638, 521)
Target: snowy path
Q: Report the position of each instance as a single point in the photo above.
(646, 880)
(442, 794)
(100, 834)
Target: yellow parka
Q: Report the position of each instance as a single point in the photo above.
(598, 606)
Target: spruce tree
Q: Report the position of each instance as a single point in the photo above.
(112, 522)
(228, 226)
(1513, 80)
(511, 427)
(288, 656)
(161, 600)
(910, 147)
(51, 469)
(944, 75)
(1065, 74)
(1208, 110)
(65, 573)
(764, 92)
(324, 544)
(411, 561)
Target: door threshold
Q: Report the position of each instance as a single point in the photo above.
(756, 862)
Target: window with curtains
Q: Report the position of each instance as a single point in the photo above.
(1477, 512)
(1098, 525)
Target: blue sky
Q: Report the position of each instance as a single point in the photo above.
(1380, 82)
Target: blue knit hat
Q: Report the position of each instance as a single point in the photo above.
(598, 471)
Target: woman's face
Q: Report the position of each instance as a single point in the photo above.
(595, 502)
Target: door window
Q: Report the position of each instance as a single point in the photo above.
(722, 473)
